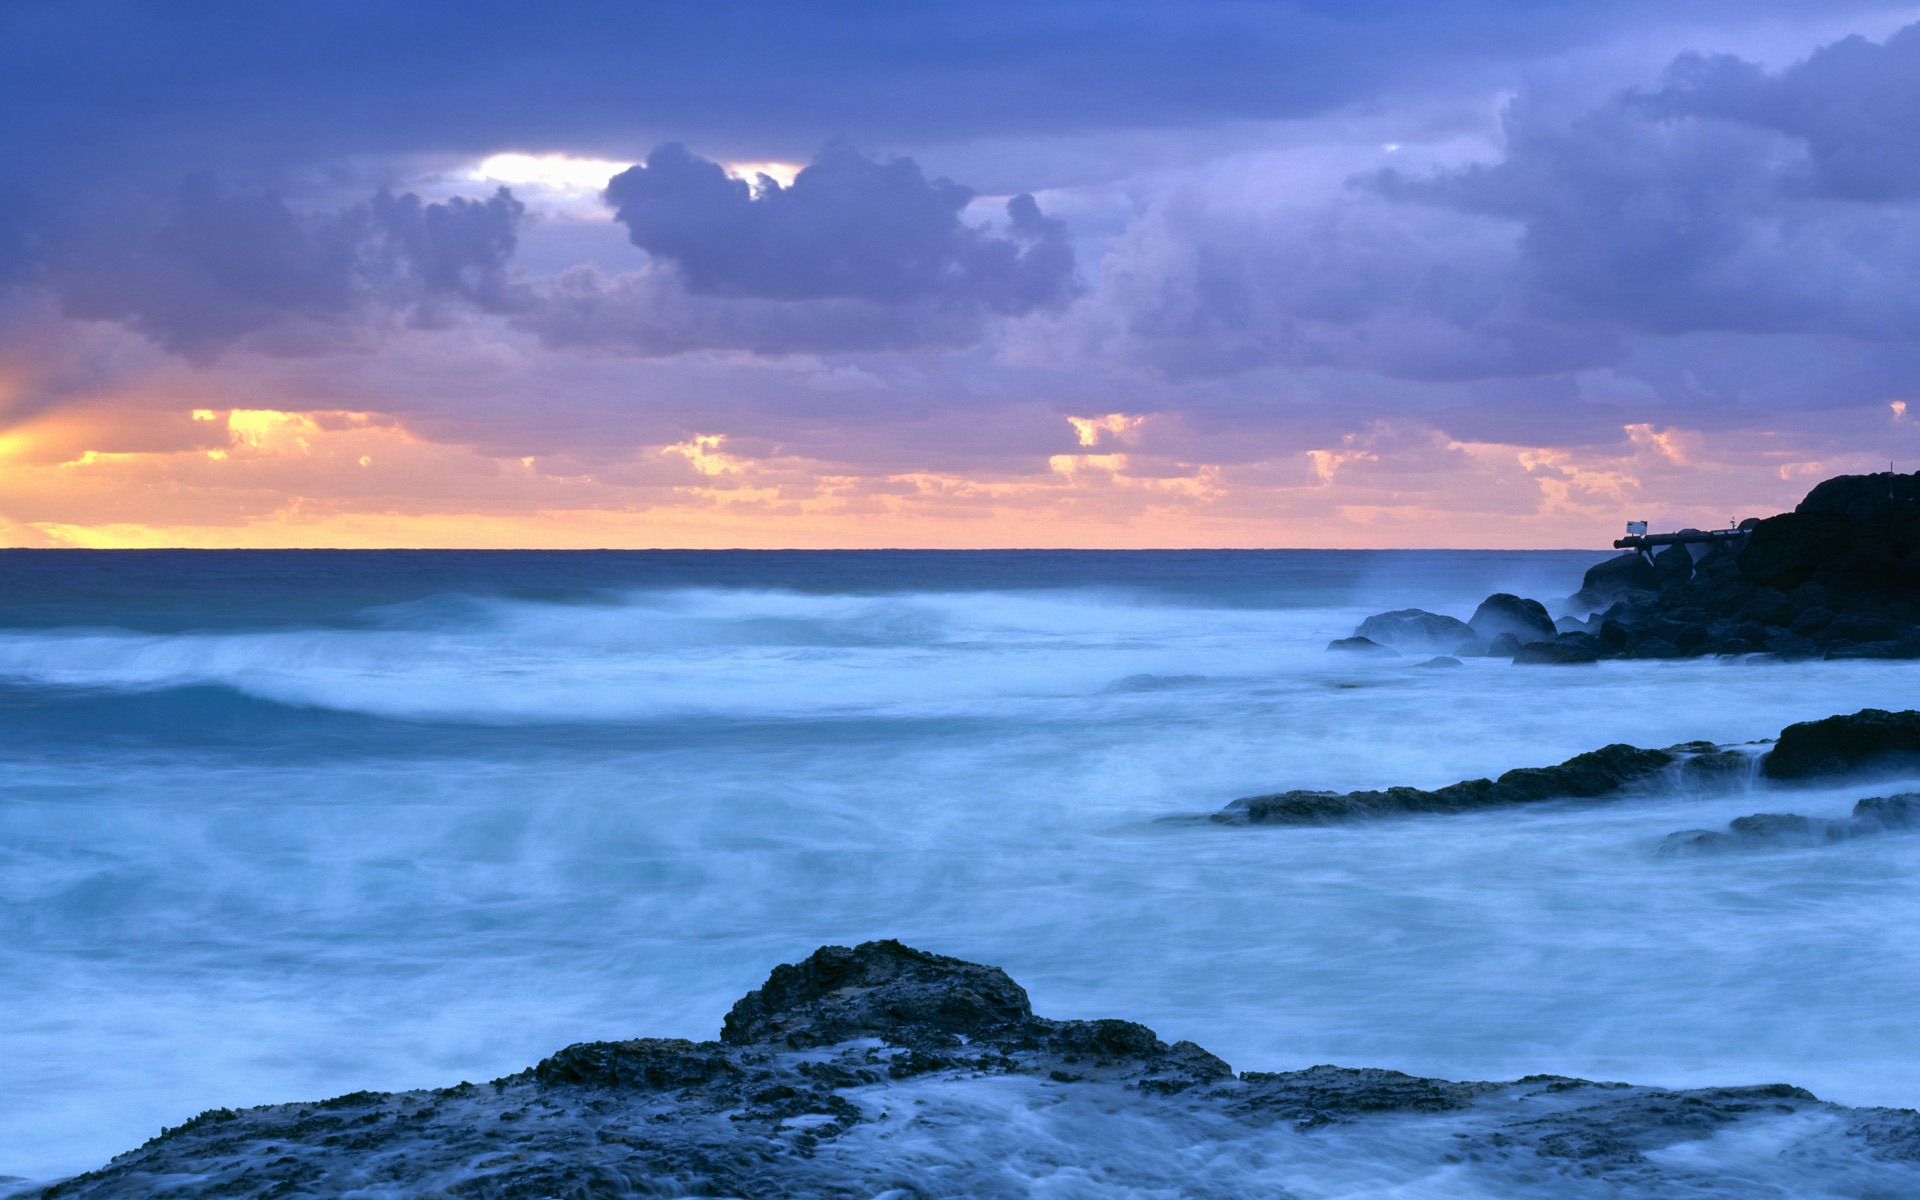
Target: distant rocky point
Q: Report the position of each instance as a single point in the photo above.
(1836, 578)
(885, 1071)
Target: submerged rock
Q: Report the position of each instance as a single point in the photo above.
(1777, 831)
(881, 1070)
(1872, 739)
(1360, 645)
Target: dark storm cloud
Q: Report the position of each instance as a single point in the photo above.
(211, 266)
(225, 82)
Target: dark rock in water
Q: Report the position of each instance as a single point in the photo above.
(1505, 646)
(1584, 776)
(1444, 660)
(882, 1070)
(1605, 581)
(1781, 831)
(1504, 613)
(1565, 650)
(1416, 631)
(1871, 739)
(1653, 647)
(1792, 647)
(1360, 645)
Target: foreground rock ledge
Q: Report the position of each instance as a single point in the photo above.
(887, 1071)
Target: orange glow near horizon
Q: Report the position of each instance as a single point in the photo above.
(263, 477)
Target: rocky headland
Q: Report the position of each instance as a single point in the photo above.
(885, 1071)
(1836, 578)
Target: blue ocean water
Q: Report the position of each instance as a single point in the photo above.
(284, 825)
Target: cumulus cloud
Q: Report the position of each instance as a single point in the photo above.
(856, 254)
(1853, 106)
(1655, 214)
(214, 265)
(1728, 200)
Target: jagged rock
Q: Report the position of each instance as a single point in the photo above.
(1778, 831)
(1871, 739)
(1416, 631)
(839, 994)
(1504, 613)
(851, 1074)
(1360, 645)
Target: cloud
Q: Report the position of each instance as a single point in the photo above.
(847, 228)
(856, 254)
(213, 266)
(1854, 107)
(1727, 202)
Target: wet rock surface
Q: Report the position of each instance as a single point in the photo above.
(884, 1070)
(1870, 740)
(1607, 771)
(1866, 743)
(1785, 831)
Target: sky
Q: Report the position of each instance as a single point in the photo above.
(1297, 273)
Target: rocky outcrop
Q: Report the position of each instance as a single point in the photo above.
(1503, 614)
(1416, 631)
(1604, 772)
(1870, 740)
(1780, 831)
(1838, 578)
(881, 1070)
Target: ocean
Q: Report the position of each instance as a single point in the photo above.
(282, 825)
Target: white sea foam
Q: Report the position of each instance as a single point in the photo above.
(756, 773)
